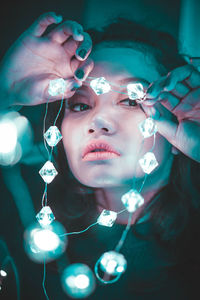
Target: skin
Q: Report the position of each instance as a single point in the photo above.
(109, 117)
(173, 99)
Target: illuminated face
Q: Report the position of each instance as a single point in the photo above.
(111, 121)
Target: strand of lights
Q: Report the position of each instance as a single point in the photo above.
(100, 221)
(135, 91)
(51, 137)
(112, 262)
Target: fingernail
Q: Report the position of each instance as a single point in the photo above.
(59, 19)
(82, 53)
(149, 96)
(74, 89)
(79, 31)
(155, 114)
(79, 74)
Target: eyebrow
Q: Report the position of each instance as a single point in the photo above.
(132, 79)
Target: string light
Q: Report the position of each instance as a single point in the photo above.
(47, 242)
(147, 127)
(107, 218)
(112, 263)
(132, 200)
(100, 85)
(3, 273)
(48, 172)
(76, 283)
(136, 91)
(148, 162)
(57, 87)
(45, 217)
(52, 136)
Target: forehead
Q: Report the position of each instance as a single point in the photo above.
(119, 62)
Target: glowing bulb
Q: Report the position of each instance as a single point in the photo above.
(45, 217)
(78, 281)
(8, 136)
(45, 243)
(132, 200)
(100, 85)
(3, 273)
(107, 218)
(81, 281)
(148, 162)
(46, 240)
(52, 136)
(113, 263)
(48, 172)
(148, 127)
(136, 92)
(57, 87)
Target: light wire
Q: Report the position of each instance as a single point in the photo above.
(125, 232)
(44, 197)
(43, 281)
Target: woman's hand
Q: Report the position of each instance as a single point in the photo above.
(175, 105)
(38, 57)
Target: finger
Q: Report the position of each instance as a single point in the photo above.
(41, 24)
(71, 85)
(183, 136)
(84, 69)
(62, 32)
(85, 47)
(155, 88)
(70, 46)
(170, 82)
(169, 100)
(180, 90)
(194, 80)
(189, 106)
(177, 75)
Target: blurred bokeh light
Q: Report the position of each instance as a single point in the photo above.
(45, 243)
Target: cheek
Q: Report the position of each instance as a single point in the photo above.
(71, 138)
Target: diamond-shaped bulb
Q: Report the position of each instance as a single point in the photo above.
(52, 136)
(148, 162)
(136, 92)
(148, 127)
(48, 172)
(132, 200)
(57, 87)
(45, 216)
(107, 218)
(113, 263)
(100, 85)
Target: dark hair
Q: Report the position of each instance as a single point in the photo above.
(176, 206)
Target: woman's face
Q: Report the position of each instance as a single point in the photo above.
(110, 118)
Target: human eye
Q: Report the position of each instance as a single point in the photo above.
(78, 107)
(128, 102)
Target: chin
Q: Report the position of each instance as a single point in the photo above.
(101, 182)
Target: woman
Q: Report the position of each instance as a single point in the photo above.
(171, 206)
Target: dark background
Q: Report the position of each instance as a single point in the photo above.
(16, 16)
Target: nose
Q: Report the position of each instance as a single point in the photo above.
(102, 124)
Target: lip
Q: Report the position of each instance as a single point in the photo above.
(109, 153)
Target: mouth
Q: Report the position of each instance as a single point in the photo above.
(99, 151)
